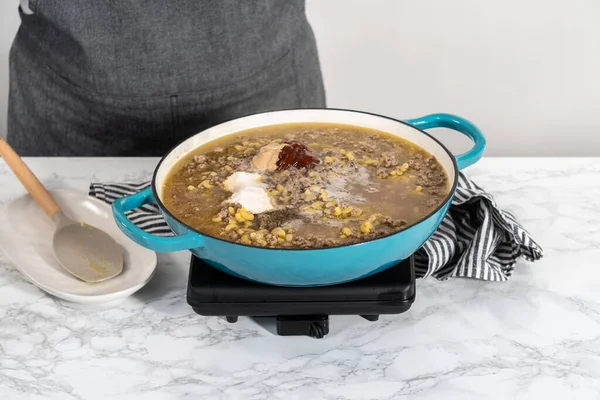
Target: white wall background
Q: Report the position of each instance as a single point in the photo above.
(525, 71)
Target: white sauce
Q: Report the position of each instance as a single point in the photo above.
(248, 191)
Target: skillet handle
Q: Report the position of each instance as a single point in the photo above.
(460, 125)
(121, 206)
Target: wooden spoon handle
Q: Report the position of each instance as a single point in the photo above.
(28, 179)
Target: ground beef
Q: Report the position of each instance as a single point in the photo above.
(393, 223)
(427, 172)
(389, 159)
(431, 202)
(353, 165)
(367, 147)
(235, 164)
(324, 169)
(311, 135)
(224, 213)
(435, 191)
(215, 179)
(295, 181)
(200, 161)
(242, 165)
(382, 172)
(312, 242)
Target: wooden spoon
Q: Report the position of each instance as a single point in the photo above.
(86, 252)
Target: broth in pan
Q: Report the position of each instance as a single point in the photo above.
(308, 185)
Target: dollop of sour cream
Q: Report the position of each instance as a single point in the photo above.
(248, 191)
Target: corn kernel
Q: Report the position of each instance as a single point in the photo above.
(315, 188)
(230, 227)
(350, 156)
(331, 204)
(206, 184)
(280, 187)
(346, 231)
(404, 167)
(246, 239)
(317, 205)
(328, 159)
(343, 151)
(366, 227)
(373, 217)
(337, 211)
(239, 147)
(419, 188)
(393, 173)
(279, 232)
(241, 231)
(247, 215)
(310, 196)
(347, 210)
(217, 219)
(238, 217)
(191, 188)
(228, 168)
(289, 237)
(231, 210)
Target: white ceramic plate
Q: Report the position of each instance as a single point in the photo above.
(26, 238)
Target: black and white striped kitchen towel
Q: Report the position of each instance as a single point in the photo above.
(476, 239)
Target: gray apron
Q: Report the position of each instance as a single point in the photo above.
(135, 77)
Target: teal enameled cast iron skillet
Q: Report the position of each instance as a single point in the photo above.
(312, 267)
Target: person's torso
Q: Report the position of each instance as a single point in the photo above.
(158, 47)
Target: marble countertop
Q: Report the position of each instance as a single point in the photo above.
(536, 336)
